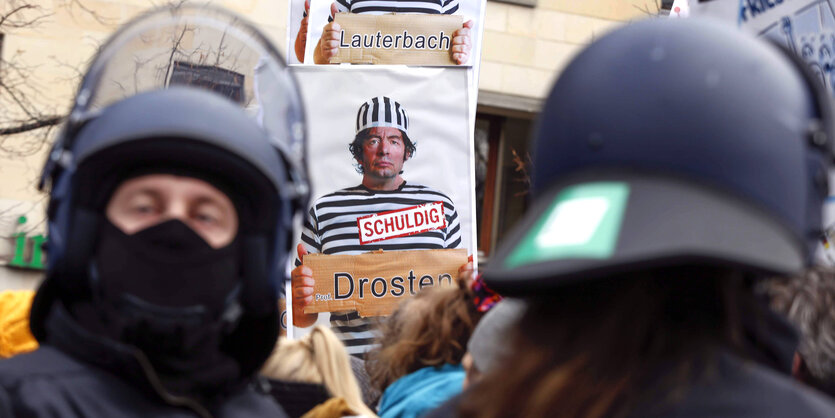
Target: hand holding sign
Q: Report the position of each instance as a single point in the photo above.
(462, 44)
(302, 288)
(467, 271)
(328, 45)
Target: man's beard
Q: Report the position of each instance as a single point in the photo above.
(384, 173)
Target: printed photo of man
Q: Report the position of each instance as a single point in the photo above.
(381, 148)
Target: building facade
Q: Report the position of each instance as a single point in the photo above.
(526, 44)
(46, 44)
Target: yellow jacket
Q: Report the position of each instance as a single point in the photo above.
(15, 337)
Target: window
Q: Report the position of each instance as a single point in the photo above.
(526, 3)
(220, 80)
(502, 130)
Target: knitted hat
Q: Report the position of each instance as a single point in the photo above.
(382, 112)
(488, 344)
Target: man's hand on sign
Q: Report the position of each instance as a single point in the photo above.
(301, 37)
(302, 288)
(328, 45)
(461, 43)
(467, 272)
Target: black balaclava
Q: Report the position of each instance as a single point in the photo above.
(165, 291)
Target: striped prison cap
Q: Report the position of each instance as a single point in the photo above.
(382, 111)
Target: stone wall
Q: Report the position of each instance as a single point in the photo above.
(525, 47)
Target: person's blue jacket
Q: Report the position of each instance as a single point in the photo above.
(421, 391)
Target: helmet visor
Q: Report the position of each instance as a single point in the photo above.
(203, 47)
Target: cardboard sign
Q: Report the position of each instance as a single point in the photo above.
(396, 39)
(374, 283)
(400, 223)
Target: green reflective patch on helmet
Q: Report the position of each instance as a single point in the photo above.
(583, 222)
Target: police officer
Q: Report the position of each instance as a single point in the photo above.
(675, 164)
(172, 189)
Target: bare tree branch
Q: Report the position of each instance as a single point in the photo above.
(29, 111)
(98, 17)
(36, 124)
(16, 17)
(522, 166)
(174, 50)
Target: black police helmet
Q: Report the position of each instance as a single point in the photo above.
(194, 90)
(672, 143)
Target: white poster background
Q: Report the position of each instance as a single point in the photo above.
(437, 102)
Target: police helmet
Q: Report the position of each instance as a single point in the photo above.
(672, 143)
(197, 89)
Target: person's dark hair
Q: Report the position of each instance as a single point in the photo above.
(355, 147)
(598, 349)
(430, 329)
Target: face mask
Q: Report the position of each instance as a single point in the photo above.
(166, 291)
(168, 265)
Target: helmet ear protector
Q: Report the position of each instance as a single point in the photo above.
(55, 180)
(822, 131)
(821, 135)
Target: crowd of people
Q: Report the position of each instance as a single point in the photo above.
(665, 268)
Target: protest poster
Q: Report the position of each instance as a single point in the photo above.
(374, 283)
(438, 102)
(806, 27)
(773, 19)
(396, 39)
(434, 207)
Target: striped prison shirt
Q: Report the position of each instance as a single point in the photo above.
(378, 7)
(331, 228)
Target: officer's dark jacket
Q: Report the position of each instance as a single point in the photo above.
(78, 374)
(733, 387)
